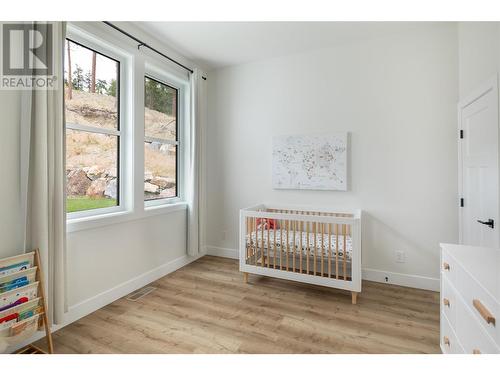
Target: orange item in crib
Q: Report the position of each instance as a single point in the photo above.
(268, 223)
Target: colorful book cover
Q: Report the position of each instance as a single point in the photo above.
(13, 284)
(8, 299)
(28, 313)
(7, 270)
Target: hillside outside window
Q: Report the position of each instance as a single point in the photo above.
(92, 110)
(161, 145)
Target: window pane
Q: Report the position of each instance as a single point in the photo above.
(90, 87)
(161, 110)
(91, 170)
(160, 174)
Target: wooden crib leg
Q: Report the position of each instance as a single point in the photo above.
(245, 277)
(354, 297)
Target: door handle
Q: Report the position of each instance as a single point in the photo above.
(489, 223)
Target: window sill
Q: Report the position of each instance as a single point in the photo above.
(98, 221)
(164, 208)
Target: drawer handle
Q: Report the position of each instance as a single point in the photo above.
(476, 351)
(446, 266)
(446, 340)
(484, 311)
(446, 302)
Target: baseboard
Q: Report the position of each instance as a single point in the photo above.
(402, 279)
(369, 274)
(222, 252)
(90, 305)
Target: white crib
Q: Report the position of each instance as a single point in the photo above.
(314, 246)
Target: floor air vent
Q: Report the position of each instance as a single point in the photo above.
(134, 296)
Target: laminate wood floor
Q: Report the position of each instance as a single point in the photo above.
(206, 308)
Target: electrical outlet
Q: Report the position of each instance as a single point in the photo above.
(400, 257)
(223, 235)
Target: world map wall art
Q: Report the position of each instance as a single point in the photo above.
(315, 162)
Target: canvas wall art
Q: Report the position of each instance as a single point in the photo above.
(316, 162)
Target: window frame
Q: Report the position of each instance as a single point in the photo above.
(104, 49)
(135, 64)
(152, 71)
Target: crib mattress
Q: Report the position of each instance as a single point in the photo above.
(322, 242)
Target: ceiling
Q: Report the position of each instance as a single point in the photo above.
(214, 45)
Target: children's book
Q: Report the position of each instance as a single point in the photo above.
(23, 326)
(29, 273)
(9, 318)
(13, 284)
(7, 270)
(13, 297)
(24, 310)
(29, 312)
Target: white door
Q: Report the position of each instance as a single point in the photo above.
(478, 170)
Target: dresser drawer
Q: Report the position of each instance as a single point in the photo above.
(481, 262)
(470, 333)
(449, 341)
(486, 310)
(448, 301)
(448, 266)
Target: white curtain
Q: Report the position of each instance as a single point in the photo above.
(194, 188)
(43, 178)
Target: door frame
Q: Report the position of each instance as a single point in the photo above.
(490, 85)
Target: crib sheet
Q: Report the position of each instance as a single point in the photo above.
(322, 242)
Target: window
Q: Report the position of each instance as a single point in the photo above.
(92, 109)
(161, 146)
(104, 132)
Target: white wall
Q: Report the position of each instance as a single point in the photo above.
(397, 97)
(101, 259)
(479, 53)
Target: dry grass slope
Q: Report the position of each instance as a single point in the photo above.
(101, 111)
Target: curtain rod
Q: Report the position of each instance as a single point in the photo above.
(142, 44)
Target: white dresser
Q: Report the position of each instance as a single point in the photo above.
(470, 299)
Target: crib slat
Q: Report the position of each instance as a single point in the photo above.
(274, 240)
(337, 251)
(301, 255)
(308, 252)
(322, 246)
(345, 251)
(257, 249)
(329, 250)
(256, 240)
(287, 242)
(248, 233)
(281, 244)
(256, 252)
(262, 242)
(268, 243)
(249, 260)
(315, 229)
(285, 246)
